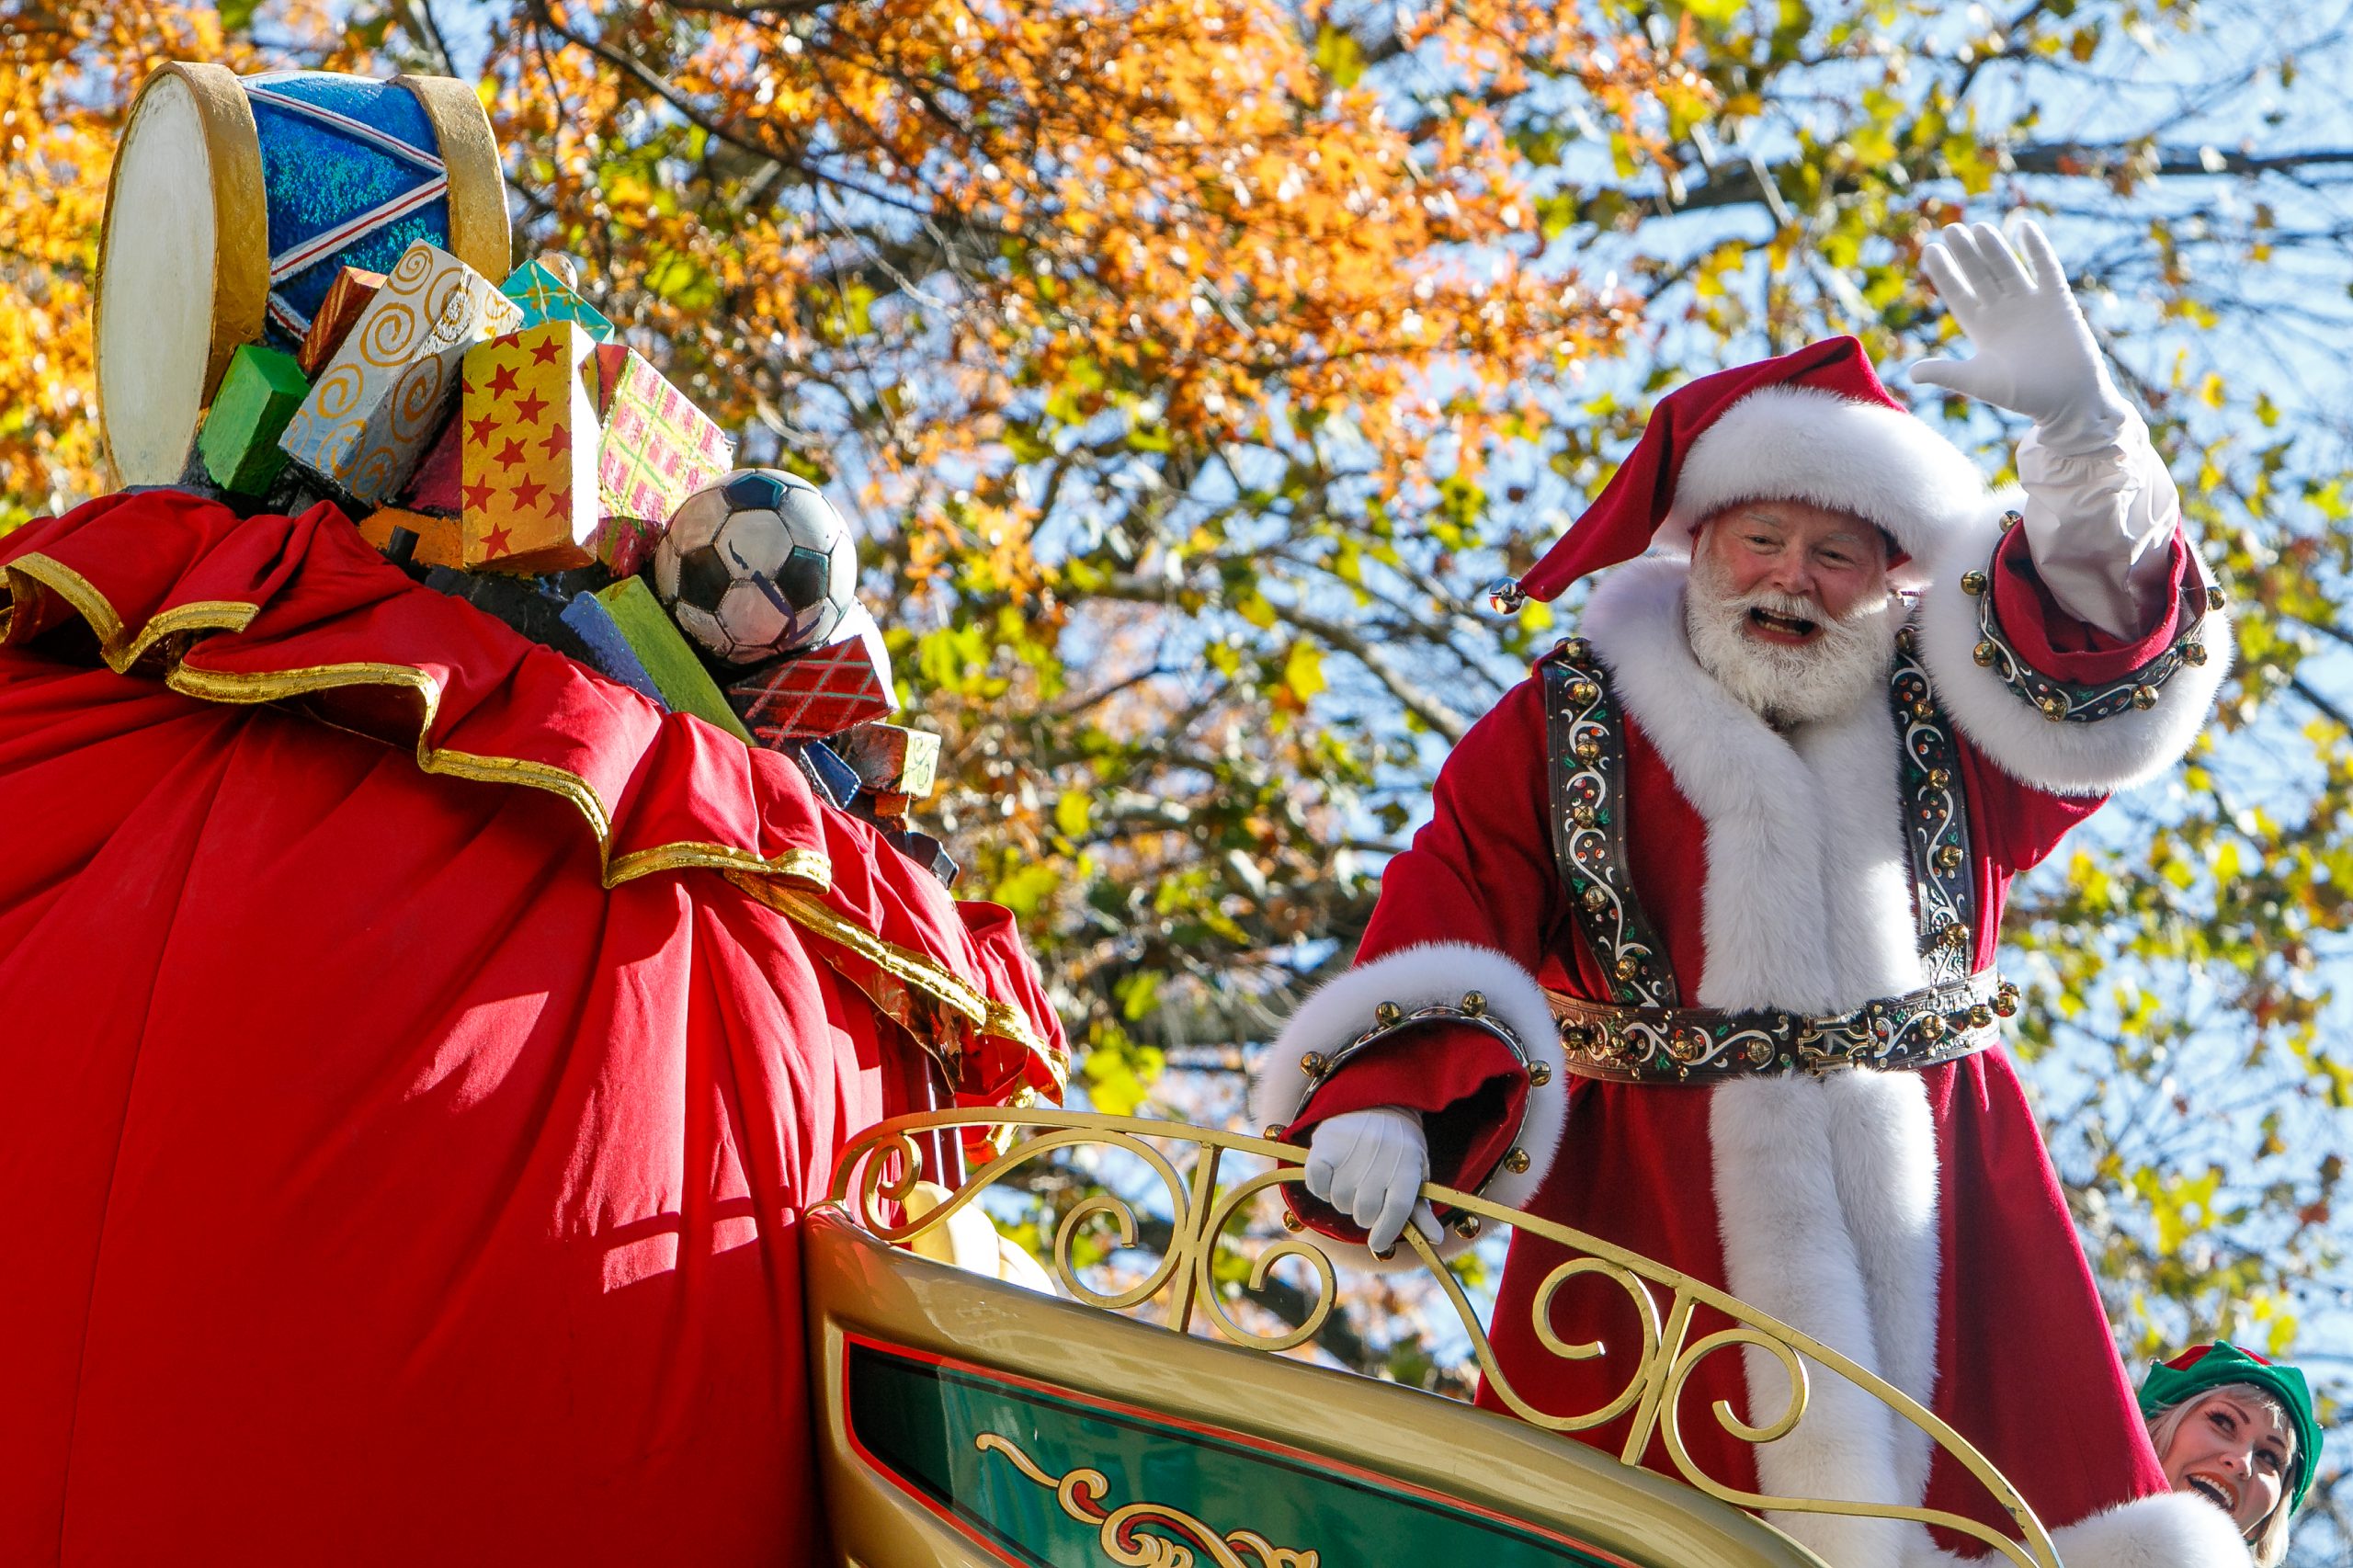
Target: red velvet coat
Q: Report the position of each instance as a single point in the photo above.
(1911, 1219)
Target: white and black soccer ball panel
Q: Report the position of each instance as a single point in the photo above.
(755, 565)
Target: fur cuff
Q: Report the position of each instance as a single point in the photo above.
(2067, 758)
(1433, 973)
(2173, 1530)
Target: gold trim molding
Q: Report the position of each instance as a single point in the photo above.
(1080, 1493)
(1205, 1200)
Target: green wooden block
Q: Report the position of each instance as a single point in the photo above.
(663, 649)
(260, 393)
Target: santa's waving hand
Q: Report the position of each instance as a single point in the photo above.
(1697, 951)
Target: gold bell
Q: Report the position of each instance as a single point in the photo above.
(1577, 649)
(1940, 778)
(1589, 750)
(1387, 1015)
(1474, 1003)
(1957, 934)
(2006, 1000)
(1973, 583)
(1274, 1132)
(1292, 1222)
(1539, 1073)
(2144, 698)
(1314, 1064)
(2194, 652)
(1625, 967)
(2214, 597)
(1923, 709)
(1583, 691)
(2012, 520)
(1982, 652)
(1466, 1225)
(1906, 640)
(1596, 900)
(2054, 708)
(1948, 859)
(1516, 1162)
(1581, 816)
(1932, 1026)
(1980, 1016)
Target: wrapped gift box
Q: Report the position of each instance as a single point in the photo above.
(544, 296)
(384, 397)
(662, 648)
(527, 457)
(658, 449)
(821, 692)
(437, 537)
(338, 312)
(258, 394)
(891, 759)
(436, 485)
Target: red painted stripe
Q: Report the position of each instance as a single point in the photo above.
(286, 264)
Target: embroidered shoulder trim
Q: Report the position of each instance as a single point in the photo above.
(1585, 751)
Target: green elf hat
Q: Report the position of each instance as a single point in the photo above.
(2203, 1367)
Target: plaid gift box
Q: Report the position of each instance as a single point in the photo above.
(821, 692)
(658, 449)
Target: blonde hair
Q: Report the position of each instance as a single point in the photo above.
(2269, 1541)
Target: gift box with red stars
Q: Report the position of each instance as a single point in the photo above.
(527, 452)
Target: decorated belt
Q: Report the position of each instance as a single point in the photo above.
(1706, 1045)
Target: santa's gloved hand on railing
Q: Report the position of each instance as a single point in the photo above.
(1369, 1165)
(2101, 510)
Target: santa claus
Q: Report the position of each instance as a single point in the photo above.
(1696, 954)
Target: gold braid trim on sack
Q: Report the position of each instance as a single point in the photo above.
(953, 1016)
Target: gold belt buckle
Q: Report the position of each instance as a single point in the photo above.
(1851, 1029)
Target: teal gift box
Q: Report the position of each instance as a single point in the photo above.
(544, 297)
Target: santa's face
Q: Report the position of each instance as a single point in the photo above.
(2232, 1451)
(1798, 551)
(1788, 607)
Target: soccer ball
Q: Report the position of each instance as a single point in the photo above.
(757, 565)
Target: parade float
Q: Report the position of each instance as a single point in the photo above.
(563, 1124)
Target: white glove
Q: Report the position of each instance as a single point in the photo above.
(1370, 1164)
(2101, 509)
(2035, 353)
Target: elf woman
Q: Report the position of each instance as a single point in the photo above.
(2239, 1431)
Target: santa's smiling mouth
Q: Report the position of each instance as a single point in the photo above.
(1782, 628)
(2214, 1492)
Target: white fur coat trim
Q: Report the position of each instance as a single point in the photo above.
(1826, 1189)
(2067, 758)
(1806, 444)
(1339, 1010)
(2177, 1530)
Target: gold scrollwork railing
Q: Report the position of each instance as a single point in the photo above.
(882, 1164)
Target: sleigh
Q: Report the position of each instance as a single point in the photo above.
(969, 1421)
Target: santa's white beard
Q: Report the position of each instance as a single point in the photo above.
(1787, 684)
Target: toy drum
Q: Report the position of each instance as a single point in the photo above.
(233, 203)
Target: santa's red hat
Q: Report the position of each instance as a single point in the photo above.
(1813, 426)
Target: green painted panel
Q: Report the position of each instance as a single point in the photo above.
(920, 1421)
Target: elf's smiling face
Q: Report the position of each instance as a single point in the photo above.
(2233, 1449)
